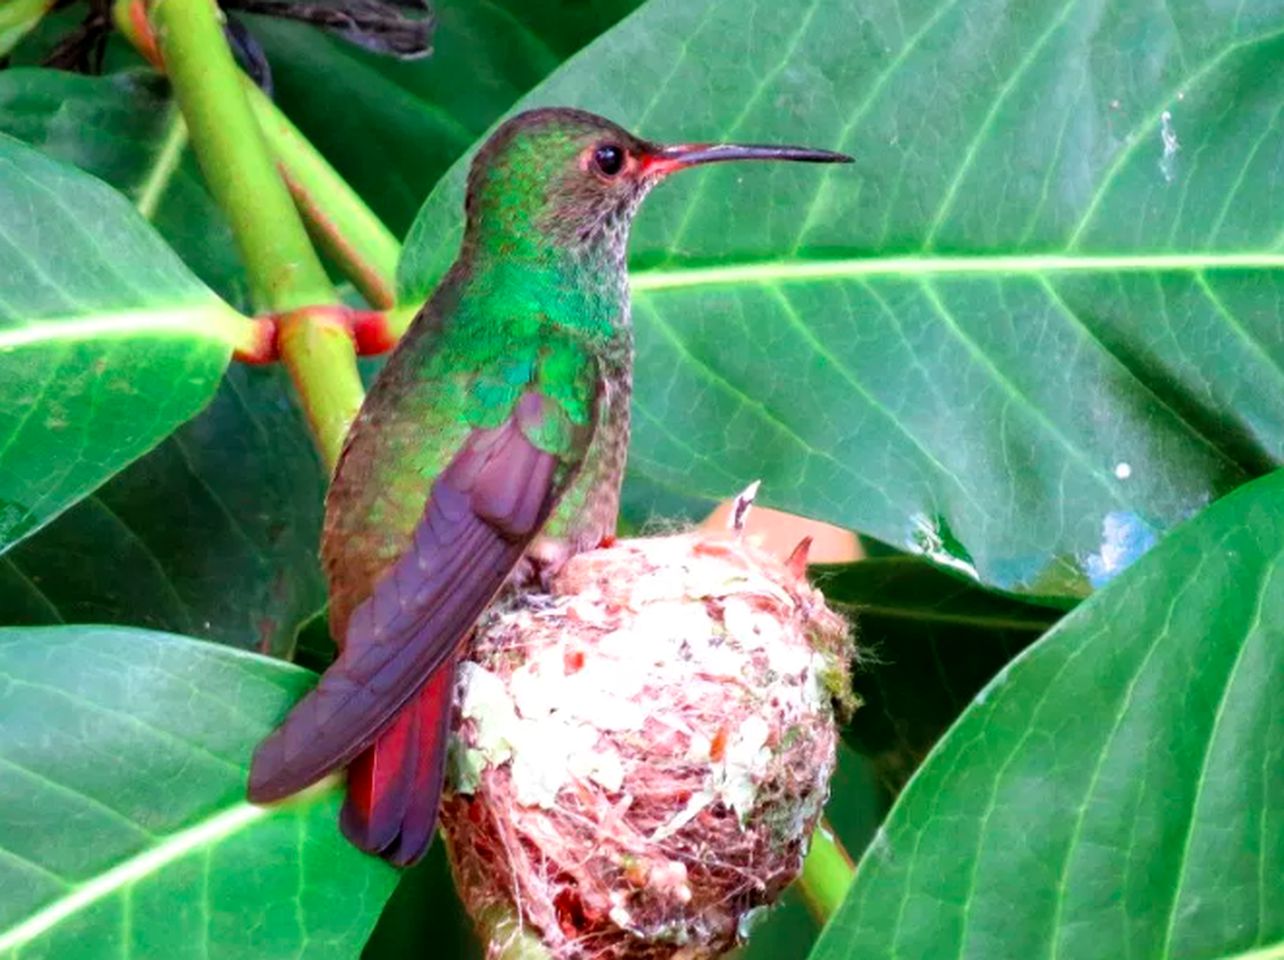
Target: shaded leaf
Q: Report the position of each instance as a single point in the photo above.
(424, 918)
(121, 128)
(929, 642)
(107, 342)
(1118, 790)
(214, 533)
(1037, 323)
(124, 830)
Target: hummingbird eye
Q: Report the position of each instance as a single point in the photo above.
(609, 159)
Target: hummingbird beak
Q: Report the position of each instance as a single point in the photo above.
(665, 160)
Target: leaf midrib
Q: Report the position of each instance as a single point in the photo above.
(763, 272)
(212, 321)
(208, 832)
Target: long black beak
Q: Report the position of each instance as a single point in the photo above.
(679, 156)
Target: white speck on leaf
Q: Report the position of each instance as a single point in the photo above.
(1123, 470)
(1168, 163)
(999, 680)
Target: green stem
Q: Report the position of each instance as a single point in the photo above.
(826, 875)
(505, 938)
(164, 166)
(316, 348)
(399, 319)
(338, 219)
(284, 271)
(335, 215)
(17, 18)
(286, 277)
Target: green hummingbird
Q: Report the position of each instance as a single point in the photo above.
(494, 437)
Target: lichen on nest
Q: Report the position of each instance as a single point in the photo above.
(640, 755)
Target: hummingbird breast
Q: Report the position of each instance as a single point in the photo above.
(589, 510)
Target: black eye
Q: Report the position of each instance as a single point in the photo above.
(609, 159)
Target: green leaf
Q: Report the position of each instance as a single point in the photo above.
(1032, 327)
(1118, 790)
(241, 480)
(17, 18)
(424, 918)
(404, 123)
(124, 129)
(124, 830)
(107, 342)
(929, 642)
(213, 534)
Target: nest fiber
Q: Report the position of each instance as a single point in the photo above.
(641, 754)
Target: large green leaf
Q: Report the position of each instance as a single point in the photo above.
(1035, 324)
(402, 123)
(107, 342)
(123, 827)
(929, 642)
(1119, 790)
(214, 533)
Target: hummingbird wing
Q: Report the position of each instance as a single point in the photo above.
(484, 510)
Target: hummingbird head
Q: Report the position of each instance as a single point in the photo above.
(561, 178)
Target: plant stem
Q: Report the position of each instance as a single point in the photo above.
(505, 938)
(348, 230)
(283, 268)
(316, 348)
(399, 320)
(336, 216)
(286, 277)
(826, 875)
(163, 168)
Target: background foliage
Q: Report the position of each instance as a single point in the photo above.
(1035, 331)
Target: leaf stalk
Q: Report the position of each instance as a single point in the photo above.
(284, 270)
(826, 875)
(286, 276)
(336, 217)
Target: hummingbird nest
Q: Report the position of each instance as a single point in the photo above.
(640, 755)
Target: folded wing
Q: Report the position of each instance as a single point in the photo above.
(483, 511)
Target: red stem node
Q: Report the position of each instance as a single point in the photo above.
(370, 332)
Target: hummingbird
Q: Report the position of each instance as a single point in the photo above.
(493, 440)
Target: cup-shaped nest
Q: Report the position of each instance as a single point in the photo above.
(641, 754)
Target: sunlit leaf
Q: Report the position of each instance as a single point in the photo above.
(107, 342)
(123, 828)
